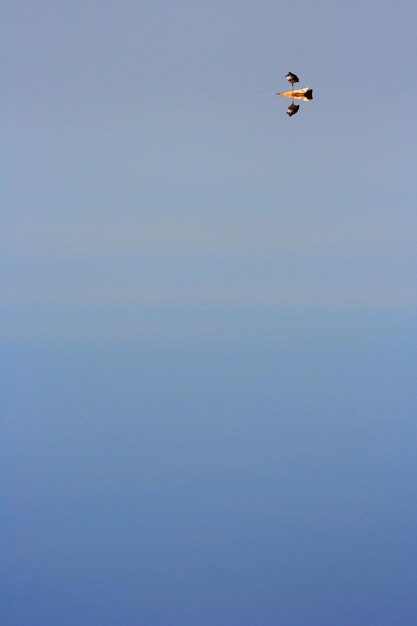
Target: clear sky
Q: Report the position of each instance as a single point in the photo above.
(208, 336)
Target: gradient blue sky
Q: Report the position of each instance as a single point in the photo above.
(208, 337)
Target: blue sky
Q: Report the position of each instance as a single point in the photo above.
(208, 314)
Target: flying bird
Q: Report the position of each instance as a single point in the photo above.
(292, 78)
(305, 94)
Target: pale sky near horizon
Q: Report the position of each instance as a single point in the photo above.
(208, 313)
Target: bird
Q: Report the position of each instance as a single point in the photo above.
(292, 78)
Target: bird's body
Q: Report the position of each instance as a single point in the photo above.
(292, 78)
